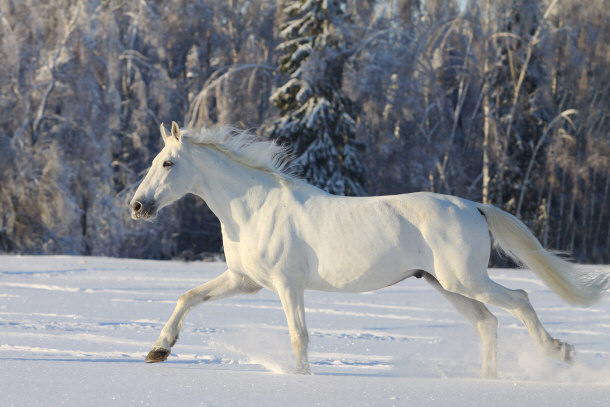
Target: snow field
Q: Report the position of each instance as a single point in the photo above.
(75, 331)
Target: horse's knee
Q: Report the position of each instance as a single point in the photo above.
(182, 301)
(189, 298)
(185, 298)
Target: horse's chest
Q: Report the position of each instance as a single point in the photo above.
(261, 259)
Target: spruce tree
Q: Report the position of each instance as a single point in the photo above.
(316, 118)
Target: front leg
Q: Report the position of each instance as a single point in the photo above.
(223, 286)
(293, 302)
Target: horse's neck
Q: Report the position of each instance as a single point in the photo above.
(233, 191)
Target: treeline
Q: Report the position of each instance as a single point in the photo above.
(498, 101)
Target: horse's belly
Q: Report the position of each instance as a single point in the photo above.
(371, 282)
(346, 272)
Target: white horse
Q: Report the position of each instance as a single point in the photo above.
(288, 236)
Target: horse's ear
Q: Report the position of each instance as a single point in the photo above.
(176, 131)
(163, 133)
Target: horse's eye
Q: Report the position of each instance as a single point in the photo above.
(167, 163)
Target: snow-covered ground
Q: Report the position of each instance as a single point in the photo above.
(75, 331)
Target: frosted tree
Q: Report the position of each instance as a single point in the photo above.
(317, 119)
(503, 101)
(519, 97)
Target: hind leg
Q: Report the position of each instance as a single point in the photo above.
(517, 303)
(484, 322)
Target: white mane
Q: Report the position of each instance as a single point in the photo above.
(244, 148)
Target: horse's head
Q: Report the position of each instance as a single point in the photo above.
(167, 180)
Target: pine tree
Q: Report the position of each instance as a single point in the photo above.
(316, 118)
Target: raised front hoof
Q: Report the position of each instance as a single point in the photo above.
(157, 355)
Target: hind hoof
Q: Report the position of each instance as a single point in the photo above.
(157, 355)
(568, 352)
(563, 351)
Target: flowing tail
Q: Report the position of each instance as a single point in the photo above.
(575, 286)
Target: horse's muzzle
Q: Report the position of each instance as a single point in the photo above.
(143, 211)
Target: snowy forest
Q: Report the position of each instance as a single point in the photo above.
(505, 102)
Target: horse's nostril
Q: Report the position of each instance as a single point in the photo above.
(137, 206)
